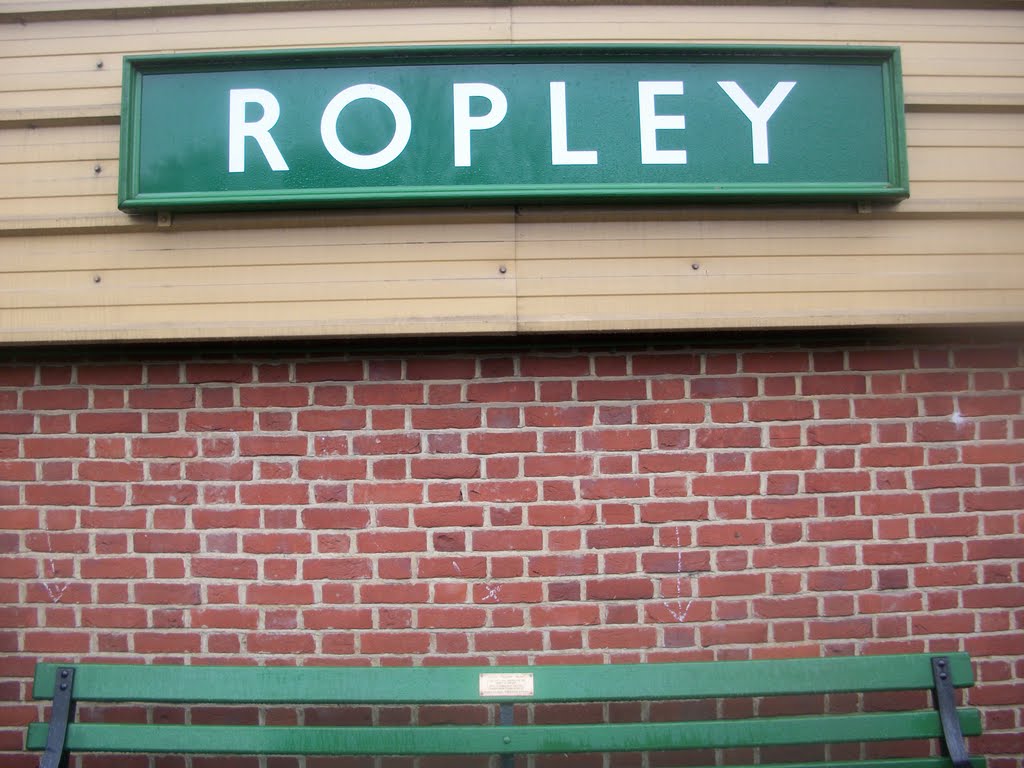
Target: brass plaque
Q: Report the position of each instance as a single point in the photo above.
(498, 684)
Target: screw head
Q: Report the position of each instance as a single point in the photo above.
(695, 266)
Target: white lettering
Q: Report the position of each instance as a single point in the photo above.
(465, 123)
(239, 129)
(651, 123)
(758, 115)
(341, 153)
(560, 152)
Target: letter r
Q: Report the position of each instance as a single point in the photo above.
(239, 129)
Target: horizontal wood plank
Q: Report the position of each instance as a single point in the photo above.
(512, 739)
(460, 684)
(950, 57)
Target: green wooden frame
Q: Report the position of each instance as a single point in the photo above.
(134, 197)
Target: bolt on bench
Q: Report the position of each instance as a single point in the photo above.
(507, 686)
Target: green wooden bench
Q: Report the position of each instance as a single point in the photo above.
(508, 687)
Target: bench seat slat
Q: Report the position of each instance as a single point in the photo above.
(434, 740)
(361, 685)
(895, 762)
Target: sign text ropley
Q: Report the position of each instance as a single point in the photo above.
(465, 123)
(468, 125)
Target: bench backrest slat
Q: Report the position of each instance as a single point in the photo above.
(415, 740)
(362, 685)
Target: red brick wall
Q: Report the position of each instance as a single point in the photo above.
(600, 504)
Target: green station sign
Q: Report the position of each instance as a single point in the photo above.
(478, 125)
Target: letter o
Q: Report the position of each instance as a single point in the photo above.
(329, 126)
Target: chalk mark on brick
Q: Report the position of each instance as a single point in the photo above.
(679, 611)
(55, 591)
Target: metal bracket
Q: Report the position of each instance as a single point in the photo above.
(506, 716)
(956, 747)
(62, 713)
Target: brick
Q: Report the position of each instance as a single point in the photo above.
(989, 405)
(559, 416)
(994, 453)
(624, 637)
(839, 434)
(620, 537)
(450, 618)
(670, 413)
(113, 568)
(666, 364)
(735, 437)
(167, 593)
(164, 542)
(394, 593)
(727, 485)
(611, 389)
(723, 387)
(1006, 548)
(224, 568)
(376, 542)
(52, 447)
(445, 468)
(894, 554)
(501, 442)
(388, 643)
(617, 440)
(895, 456)
(615, 488)
(720, 585)
(730, 534)
(387, 493)
(780, 410)
(992, 596)
(993, 500)
(839, 580)
(733, 633)
(663, 512)
(945, 575)
(840, 384)
(503, 492)
(837, 482)
(64, 399)
(951, 477)
(501, 392)
(507, 540)
(566, 615)
(562, 565)
(56, 495)
(681, 561)
(388, 394)
(383, 444)
(561, 514)
(777, 361)
(837, 629)
(783, 508)
(164, 447)
(279, 594)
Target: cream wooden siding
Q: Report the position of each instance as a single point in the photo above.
(72, 267)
